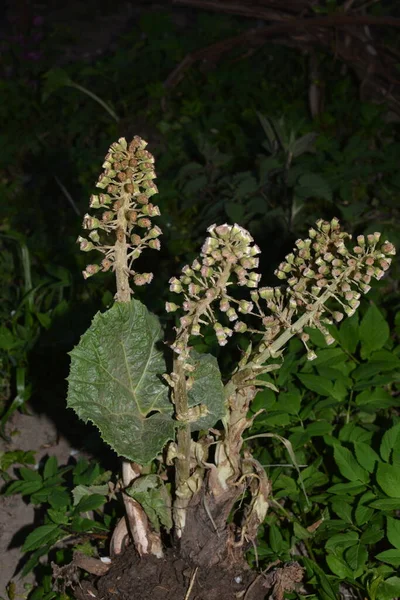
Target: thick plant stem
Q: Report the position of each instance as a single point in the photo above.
(145, 541)
(121, 254)
(184, 491)
(182, 463)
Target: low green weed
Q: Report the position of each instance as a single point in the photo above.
(77, 509)
(339, 415)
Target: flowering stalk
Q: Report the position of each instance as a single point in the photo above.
(124, 228)
(227, 252)
(320, 270)
(121, 232)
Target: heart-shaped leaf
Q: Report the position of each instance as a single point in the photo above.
(116, 381)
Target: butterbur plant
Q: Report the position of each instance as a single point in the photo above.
(190, 484)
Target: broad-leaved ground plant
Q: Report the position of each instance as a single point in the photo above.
(162, 405)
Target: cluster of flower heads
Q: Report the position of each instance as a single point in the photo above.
(127, 181)
(227, 251)
(319, 269)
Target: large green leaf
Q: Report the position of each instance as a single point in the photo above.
(348, 466)
(207, 391)
(374, 331)
(116, 381)
(388, 478)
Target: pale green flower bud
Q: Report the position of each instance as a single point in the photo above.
(94, 236)
(194, 289)
(280, 274)
(308, 273)
(136, 253)
(388, 248)
(329, 340)
(175, 285)
(290, 258)
(312, 233)
(90, 222)
(337, 262)
(122, 143)
(354, 303)
(142, 278)
(311, 355)
(240, 327)
(361, 240)
(231, 314)
(94, 201)
(285, 267)
(209, 245)
(103, 181)
(254, 250)
(341, 249)
(154, 232)
(222, 231)
(136, 240)
(85, 245)
(150, 188)
(171, 307)
(334, 223)
(104, 199)
(185, 321)
(208, 261)
(90, 270)
(245, 306)
(195, 329)
(155, 244)
(255, 296)
(250, 283)
(144, 223)
(196, 265)
(267, 293)
(338, 316)
(224, 305)
(107, 216)
(206, 271)
(364, 288)
(325, 227)
(250, 262)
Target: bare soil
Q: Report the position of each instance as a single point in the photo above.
(171, 578)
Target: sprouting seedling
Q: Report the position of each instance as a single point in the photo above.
(124, 228)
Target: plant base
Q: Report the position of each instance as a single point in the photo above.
(171, 578)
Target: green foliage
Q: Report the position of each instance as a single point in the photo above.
(153, 496)
(116, 382)
(337, 414)
(72, 500)
(29, 304)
